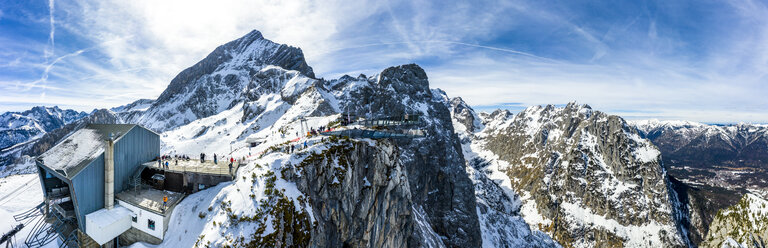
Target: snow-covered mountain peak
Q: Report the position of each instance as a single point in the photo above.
(239, 71)
(584, 177)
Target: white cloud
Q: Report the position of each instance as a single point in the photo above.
(627, 91)
(632, 68)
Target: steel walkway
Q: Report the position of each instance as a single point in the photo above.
(375, 134)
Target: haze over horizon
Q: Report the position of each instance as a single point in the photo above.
(683, 60)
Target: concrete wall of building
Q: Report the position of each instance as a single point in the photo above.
(142, 218)
(194, 180)
(133, 235)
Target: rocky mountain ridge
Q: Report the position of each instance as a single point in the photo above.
(251, 89)
(742, 225)
(17, 159)
(218, 82)
(20, 127)
(700, 145)
(584, 177)
(544, 177)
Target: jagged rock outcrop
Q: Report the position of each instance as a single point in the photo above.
(434, 164)
(132, 110)
(585, 177)
(247, 97)
(742, 225)
(714, 164)
(702, 203)
(498, 206)
(360, 196)
(20, 127)
(218, 82)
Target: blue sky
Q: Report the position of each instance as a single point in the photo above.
(694, 60)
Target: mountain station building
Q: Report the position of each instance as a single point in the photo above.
(83, 173)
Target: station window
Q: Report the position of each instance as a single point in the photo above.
(151, 224)
(134, 218)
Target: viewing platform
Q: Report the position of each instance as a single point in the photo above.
(187, 176)
(195, 166)
(375, 134)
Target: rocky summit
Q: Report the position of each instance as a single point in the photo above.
(584, 177)
(547, 176)
(398, 193)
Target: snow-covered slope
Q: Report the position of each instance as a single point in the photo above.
(498, 205)
(222, 79)
(18, 159)
(584, 177)
(19, 127)
(488, 180)
(132, 110)
(694, 144)
(358, 192)
(21, 130)
(742, 225)
(19, 193)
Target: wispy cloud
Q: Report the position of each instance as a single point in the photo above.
(50, 51)
(659, 59)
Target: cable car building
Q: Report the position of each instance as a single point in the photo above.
(82, 174)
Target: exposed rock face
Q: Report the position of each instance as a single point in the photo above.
(360, 196)
(742, 225)
(701, 203)
(218, 82)
(435, 164)
(498, 206)
(19, 127)
(132, 110)
(17, 159)
(711, 147)
(237, 93)
(715, 164)
(464, 115)
(586, 178)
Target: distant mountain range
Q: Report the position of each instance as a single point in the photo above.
(730, 156)
(545, 177)
(20, 127)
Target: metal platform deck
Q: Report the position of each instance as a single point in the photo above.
(194, 165)
(375, 134)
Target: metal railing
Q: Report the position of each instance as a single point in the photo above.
(199, 169)
(371, 123)
(375, 134)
